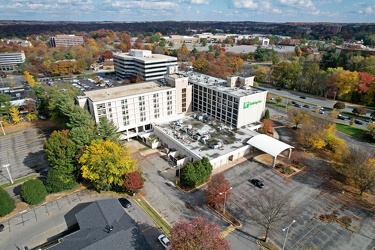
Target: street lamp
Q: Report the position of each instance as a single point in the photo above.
(287, 230)
(6, 166)
(1, 124)
(225, 197)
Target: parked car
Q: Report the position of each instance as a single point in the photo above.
(164, 241)
(306, 106)
(341, 117)
(293, 102)
(297, 105)
(359, 122)
(124, 202)
(1, 227)
(302, 97)
(321, 111)
(257, 183)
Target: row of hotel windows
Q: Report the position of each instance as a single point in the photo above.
(144, 117)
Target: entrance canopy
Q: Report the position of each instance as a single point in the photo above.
(269, 145)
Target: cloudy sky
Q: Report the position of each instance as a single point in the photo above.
(190, 10)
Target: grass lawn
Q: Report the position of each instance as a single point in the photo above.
(155, 216)
(22, 180)
(355, 132)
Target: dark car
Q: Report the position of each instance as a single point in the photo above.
(306, 106)
(1, 227)
(124, 202)
(359, 122)
(257, 183)
(297, 105)
(341, 117)
(293, 102)
(302, 97)
(278, 89)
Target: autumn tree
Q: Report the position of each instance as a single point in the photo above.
(360, 168)
(339, 105)
(267, 126)
(268, 209)
(359, 111)
(216, 189)
(133, 182)
(198, 234)
(183, 53)
(371, 130)
(201, 64)
(15, 114)
(298, 116)
(261, 73)
(105, 164)
(286, 74)
(29, 79)
(345, 82)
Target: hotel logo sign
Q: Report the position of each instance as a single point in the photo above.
(248, 104)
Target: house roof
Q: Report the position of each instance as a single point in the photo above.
(104, 225)
(268, 144)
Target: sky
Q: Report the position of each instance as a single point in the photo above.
(344, 11)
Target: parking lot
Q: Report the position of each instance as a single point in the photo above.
(312, 198)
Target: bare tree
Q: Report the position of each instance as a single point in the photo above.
(269, 208)
(360, 168)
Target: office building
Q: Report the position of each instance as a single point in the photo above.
(10, 60)
(65, 40)
(142, 64)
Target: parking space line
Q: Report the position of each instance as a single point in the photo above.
(144, 230)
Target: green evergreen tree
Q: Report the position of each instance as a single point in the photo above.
(7, 203)
(33, 192)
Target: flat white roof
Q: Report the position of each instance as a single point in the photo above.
(154, 57)
(268, 144)
(123, 91)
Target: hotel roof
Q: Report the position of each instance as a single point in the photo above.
(154, 57)
(126, 90)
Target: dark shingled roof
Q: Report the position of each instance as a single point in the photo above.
(95, 222)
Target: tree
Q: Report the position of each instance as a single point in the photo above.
(269, 208)
(279, 99)
(33, 192)
(359, 111)
(266, 114)
(105, 164)
(183, 53)
(197, 234)
(286, 74)
(133, 182)
(215, 190)
(107, 130)
(60, 151)
(4, 104)
(196, 173)
(371, 130)
(58, 181)
(267, 126)
(345, 82)
(7, 203)
(339, 105)
(360, 168)
(298, 116)
(29, 79)
(14, 114)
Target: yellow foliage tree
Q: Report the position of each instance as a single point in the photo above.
(105, 164)
(29, 79)
(14, 114)
(298, 116)
(345, 81)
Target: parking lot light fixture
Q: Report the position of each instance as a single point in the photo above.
(225, 197)
(10, 177)
(287, 231)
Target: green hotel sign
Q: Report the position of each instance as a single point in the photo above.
(248, 104)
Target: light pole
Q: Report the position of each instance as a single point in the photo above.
(1, 124)
(287, 230)
(287, 102)
(225, 197)
(6, 166)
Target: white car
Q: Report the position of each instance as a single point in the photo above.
(164, 241)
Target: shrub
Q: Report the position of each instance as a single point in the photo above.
(359, 111)
(339, 105)
(7, 203)
(196, 173)
(33, 192)
(57, 181)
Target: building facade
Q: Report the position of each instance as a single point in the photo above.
(65, 40)
(10, 60)
(142, 64)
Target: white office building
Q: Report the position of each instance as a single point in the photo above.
(10, 60)
(142, 64)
